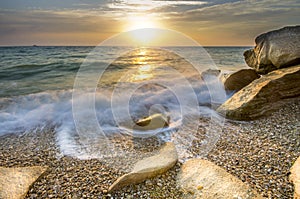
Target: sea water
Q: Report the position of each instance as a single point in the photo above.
(37, 89)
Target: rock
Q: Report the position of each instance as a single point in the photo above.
(213, 72)
(152, 122)
(295, 178)
(275, 49)
(202, 179)
(263, 95)
(15, 182)
(149, 167)
(238, 80)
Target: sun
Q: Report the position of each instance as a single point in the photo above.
(142, 29)
(140, 22)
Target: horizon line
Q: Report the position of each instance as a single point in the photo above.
(124, 46)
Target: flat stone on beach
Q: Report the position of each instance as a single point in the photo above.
(203, 179)
(148, 167)
(295, 178)
(15, 182)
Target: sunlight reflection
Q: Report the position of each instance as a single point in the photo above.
(144, 71)
(145, 68)
(140, 59)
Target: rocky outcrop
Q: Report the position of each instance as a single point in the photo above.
(152, 122)
(202, 179)
(238, 80)
(264, 95)
(15, 182)
(295, 178)
(149, 167)
(274, 50)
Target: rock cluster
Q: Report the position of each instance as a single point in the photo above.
(277, 55)
(263, 95)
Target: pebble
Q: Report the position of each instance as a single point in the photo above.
(259, 152)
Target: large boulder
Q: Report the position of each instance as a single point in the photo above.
(275, 49)
(263, 95)
(203, 179)
(15, 182)
(149, 167)
(295, 178)
(238, 80)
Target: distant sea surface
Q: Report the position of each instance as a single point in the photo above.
(27, 70)
(36, 83)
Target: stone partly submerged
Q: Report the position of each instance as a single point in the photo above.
(238, 80)
(148, 167)
(203, 179)
(274, 50)
(213, 72)
(15, 182)
(263, 95)
(295, 178)
(152, 122)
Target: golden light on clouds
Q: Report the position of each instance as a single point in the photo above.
(221, 23)
(134, 22)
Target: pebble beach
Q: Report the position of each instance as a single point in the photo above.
(259, 152)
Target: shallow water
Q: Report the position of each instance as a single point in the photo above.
(37, 90)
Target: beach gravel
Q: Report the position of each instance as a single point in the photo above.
(260, 153)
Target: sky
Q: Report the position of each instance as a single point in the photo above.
(89, 22)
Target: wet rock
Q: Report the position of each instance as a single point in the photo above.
(202, 179)
(149, 167)
(152, 122)
(238, 80)
(295, 178)
(15, 182)
(264, 95)
(275, 49)
(212, 72)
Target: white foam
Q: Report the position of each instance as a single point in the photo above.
(54, 108)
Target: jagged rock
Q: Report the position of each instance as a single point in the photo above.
(203, 179)
(155, 121)
(275, 49)
(15, 182)
(238, 80)
(149, 167)
(295, 178)
(263, 95)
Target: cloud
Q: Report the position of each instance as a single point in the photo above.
(213, 22)
(236, 21)
(73, 26)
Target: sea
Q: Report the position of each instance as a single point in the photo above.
(96, 92)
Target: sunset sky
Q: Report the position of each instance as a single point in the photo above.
(88, 22)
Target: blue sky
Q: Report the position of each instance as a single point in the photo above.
(88, 22)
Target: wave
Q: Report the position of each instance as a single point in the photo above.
(54, 109)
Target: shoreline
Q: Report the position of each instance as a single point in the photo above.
(259, 152)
